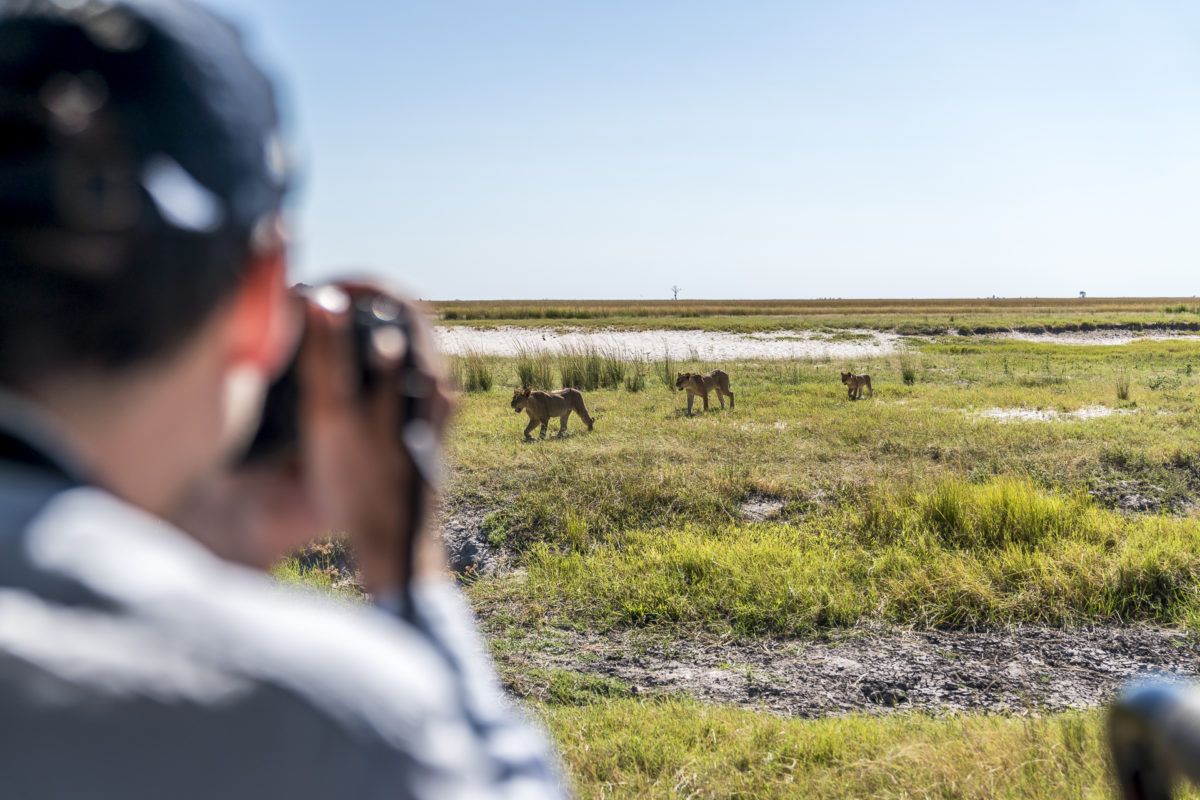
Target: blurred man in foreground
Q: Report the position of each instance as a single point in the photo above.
(143, 311)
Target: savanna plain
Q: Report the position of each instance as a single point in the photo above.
(925, 593)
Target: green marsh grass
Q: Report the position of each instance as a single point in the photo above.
(1003, 552)
(679, 748)
(969, 318)
(912, 505)
(794, 434)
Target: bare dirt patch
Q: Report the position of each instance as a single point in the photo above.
(468, 548)
(1019, 670)
(1135, 496)
(679, 345)
(762, 507)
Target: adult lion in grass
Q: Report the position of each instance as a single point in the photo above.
(541, 406)
(855, 383)
(697, 384)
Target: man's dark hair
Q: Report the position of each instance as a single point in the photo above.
(140, 164)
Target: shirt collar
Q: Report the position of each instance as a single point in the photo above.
(30, 435)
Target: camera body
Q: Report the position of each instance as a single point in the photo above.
(379, 329)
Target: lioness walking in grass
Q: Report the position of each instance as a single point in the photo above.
(541, 406)
(855, 383)
(696, 384)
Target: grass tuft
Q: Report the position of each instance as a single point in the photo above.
(471, 372)
(588, 368)
(665, 370)
(635, 380)
(535, 369)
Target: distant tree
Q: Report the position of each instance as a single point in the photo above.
(1082, 295)
(675, 290)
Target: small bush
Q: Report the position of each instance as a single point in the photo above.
(1159, 382)
(1122, 387)
(908, 374)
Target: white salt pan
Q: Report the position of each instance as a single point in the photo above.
(679, 345)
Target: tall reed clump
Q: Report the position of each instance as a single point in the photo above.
(665, 369)
(535, 368)
(635, 380)
(1122, 387)
(471, 372)
(587, 367)
(907, 373)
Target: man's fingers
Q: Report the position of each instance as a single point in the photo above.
(326, 361)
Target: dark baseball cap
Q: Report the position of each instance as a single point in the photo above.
(125, 118)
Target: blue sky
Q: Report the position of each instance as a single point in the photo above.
(481, 149)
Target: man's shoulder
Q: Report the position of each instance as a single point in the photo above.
(353, 663)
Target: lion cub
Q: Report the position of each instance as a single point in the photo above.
(541, 406)
(697, 384)
(855, 383)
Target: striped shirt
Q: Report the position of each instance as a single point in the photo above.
(135, 664)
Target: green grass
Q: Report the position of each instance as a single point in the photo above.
(912, 506)
(795, 435)
(293, 572)
(682, 749)
(968, 555)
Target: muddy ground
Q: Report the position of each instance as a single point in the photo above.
(1018, 670)
(869, 668)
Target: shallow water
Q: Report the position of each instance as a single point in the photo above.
(679, 345)
(1049, 414)
(1110, 337)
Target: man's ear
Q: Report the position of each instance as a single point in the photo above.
(264, 318)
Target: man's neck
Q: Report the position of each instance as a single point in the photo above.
(145, 435)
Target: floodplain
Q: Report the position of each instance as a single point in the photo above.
(926, 593)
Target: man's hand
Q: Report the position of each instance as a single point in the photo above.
(351, 474)
(358, 474)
